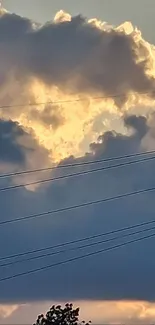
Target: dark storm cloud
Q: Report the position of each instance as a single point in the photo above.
(75, 55)
(126, 273)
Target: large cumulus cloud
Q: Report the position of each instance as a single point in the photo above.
(65, 59)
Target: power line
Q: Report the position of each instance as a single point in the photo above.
(77, 206)
(114, 231)
(86, 172)
(69, 100)
(59, 101)
(90, 162)
(78, 240)
(74, 258)
(76, 248)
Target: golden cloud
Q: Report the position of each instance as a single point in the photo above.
(80, 71)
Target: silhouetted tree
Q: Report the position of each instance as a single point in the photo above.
(61, 316)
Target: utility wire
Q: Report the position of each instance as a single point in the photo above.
(77, 248)
(90, 162)
(17, 275)
(114, 231)
(86, 172)
(77, 206)
(60, 101)
(69, 100)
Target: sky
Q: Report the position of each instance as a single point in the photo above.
(77, 84)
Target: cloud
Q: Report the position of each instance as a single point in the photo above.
(99, 312)
(66, 59)
(51, 115)
(10, 149)
(19, 150)
(7, 310)
(79, 56)
(101, 277)
(53, 63)
(62, 16)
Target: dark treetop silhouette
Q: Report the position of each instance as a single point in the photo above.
(61, 316)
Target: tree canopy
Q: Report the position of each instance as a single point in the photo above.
(57, 315)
